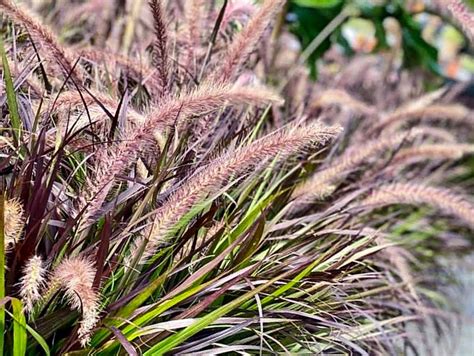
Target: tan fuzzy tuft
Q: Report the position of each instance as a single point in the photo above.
(437, 133)
(450, 113)
(194, 14)
(32, 282)
(14, 221)
(75, 276)
(431, 152)
(160, 46)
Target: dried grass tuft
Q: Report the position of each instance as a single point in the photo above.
(323, 183)
(448, 112)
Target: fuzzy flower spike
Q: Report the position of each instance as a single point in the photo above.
(32, 282)
(14, 221)
(75, 276)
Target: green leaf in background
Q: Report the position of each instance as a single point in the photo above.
(317, 3)
(311, 17)
(416, 50)
(311, 21)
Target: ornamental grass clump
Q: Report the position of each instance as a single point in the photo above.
(170, 185)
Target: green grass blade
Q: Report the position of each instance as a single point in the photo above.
(171, 342)
(39, 339)
(11, 96)
(128, 309)
(19, 328)
(20, 321)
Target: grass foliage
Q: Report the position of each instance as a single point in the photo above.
(173, 182)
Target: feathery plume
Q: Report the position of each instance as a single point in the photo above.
(246, 41)
(232, 164)
(172, 110)
(433, 151)
(437, 133)
(160, 46)
(14, 221)
(45, 37)
(194, 13)
(453, 112)
(32, 282)
(75, 276)
(341, 98)
(323, 183)
(415, 194)
(206, 98)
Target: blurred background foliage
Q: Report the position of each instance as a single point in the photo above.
(416, 33)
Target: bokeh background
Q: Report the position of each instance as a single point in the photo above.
(418, 35)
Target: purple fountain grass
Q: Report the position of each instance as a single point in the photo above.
(322, 184)
(439, 134)
(160, 205)
(195, 16)
(449, 112)
(42, 35)
(206, 98)
(231, 164)
(432, 151)
(14, 221)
